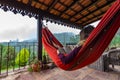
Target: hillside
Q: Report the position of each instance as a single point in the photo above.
(64, 37)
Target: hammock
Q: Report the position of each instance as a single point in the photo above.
(95, 44)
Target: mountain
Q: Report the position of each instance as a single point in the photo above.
(64, 37)
(30, 40)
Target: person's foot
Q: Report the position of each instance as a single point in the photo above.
(58, 52)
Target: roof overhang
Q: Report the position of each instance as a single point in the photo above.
(73, 13)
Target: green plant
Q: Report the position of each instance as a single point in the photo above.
(35, 66)
(22, 57)
(7, 56)
(30, 69)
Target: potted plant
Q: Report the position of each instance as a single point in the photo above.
(35, 66)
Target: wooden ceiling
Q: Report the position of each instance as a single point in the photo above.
(73, 13)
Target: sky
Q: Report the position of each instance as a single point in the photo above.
(13, 27)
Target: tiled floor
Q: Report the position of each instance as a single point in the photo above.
(58, 74)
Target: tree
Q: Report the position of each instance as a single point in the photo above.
(7, 56)
(115, 41)
(75, 39)
(22, 57)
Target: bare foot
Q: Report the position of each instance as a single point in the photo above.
(58, 52)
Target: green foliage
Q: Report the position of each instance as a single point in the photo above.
(115, 41)
(44, 56)
(35, 66)
(74, 39)
(30, 69)
(44, 52)
(7, 56)
(1, 45)
(22, 57)
(64, 37)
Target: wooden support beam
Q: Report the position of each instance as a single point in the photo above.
(39, 31)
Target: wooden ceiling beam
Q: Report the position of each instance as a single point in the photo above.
(92, 21)
(68, 7)
(60, 12)
(40, 2)
(86, 9)
(96, 10)
(97, 7)
(29, 2)
(52, 5)
(83, 8)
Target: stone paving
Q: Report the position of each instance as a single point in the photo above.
(59, 74)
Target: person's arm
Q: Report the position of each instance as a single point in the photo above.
(69, 57)
(80, 43)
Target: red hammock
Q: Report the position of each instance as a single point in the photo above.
(94, 46)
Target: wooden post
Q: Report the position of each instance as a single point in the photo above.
(39, 31)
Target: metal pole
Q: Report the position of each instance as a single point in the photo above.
(39, 30)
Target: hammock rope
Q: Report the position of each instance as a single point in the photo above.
(95, 44)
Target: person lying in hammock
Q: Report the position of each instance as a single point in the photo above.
(69, 57)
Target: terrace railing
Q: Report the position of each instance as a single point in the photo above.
(16, 56)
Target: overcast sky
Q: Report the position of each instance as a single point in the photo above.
(14, 27)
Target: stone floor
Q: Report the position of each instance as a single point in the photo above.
(58, 74)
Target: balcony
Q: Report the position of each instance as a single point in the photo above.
(16, 56)
(10, 70)
(58, 74)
